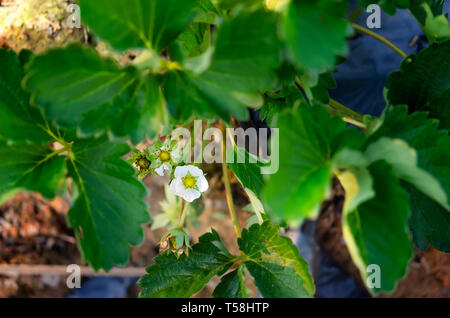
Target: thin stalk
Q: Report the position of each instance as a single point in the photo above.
(354, 122)
(230, 202)
(183, 212)
(379, 38)
(345, 110)
(181, 207)
(355, 14)
(229, 194)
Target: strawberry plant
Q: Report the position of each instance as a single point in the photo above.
(70, 117)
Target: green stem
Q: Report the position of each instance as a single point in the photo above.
(230, 202)
(355, 14)
(229, 194)
(379, 38)
(183, 212)
(344, 110)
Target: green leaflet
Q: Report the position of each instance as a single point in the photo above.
(403, 160)
(275, 263)
(18, 121)
(247, 169)
(429, 222)
(131, 24)
(423, 83)
(420, 132)
(26, 160)
(138, 112)
(436, 27)
(208, 12)
(313, 40)
(77, 87)
(242, 65)
(193, 41)
(109, 210)
(184, 276)
(375, 230)
(31, 167)
(289, 96)
(187, 95)
(246, 53)
(309, 140)
(232, 285)
(319, 92)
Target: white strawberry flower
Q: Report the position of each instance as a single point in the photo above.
(166, 157)
(161, 168)
(188, 183)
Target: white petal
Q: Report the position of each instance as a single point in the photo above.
(202, 183)
(175, 156)
(176, 187)
(160, 170)
(190, 195)
(181, 171)
(195, 171)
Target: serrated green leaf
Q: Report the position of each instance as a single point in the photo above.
(184, 276)
(403, 160)
(187, 95)
(358, 185)
(232, 285)
(137, 112)
(309, 139)
(18, 121)
(31, 167)
(376, 231)
(78, 88)
(436, 27)
(131, 24)
(246, 53)
(429, 222)
(108, 213)
(288, 97)
(431, 144)
(194, 40)
(69, 82)
(275, 263)
(208, 12)
(247, 169)
(243, 64)
(316, 33)
(423, 82)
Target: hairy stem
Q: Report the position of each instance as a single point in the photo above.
(379, 38)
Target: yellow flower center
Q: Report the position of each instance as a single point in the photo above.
(189, 181)
(164, 156)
